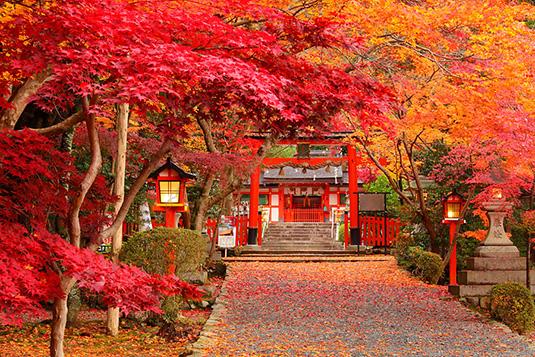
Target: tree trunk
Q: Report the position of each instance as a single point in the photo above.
(203, 204)
(145, 222)
(20, 98)
(89, 178)
(134, 189)
(430, 227)
(112, 322)
(74, 303)
(59, 319)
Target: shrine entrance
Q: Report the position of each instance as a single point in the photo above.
(304, 203)
(306, 187)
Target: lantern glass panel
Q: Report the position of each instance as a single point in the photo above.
(453, 209)
(169, 191)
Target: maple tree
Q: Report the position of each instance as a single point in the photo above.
(170, 62)
(464, 76)
(36, 263)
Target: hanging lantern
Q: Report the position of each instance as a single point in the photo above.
(453, 205)
(170, 183)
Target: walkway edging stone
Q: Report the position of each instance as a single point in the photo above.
(205, 337)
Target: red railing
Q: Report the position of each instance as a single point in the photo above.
(303, 215)
(239, 222)
(376, 231)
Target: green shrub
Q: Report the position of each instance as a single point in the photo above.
(421, 263)
(151, 250)
(340, 233)
(466, 247)
(428, 266)
(512, 304)
(402, 246)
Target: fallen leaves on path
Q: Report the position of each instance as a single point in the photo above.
(353, 308)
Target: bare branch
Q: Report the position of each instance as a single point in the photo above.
(62, 126)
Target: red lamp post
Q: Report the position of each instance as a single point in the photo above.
(171, 181)
(453, 206)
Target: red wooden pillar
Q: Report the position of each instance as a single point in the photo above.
(281, 204)
(326, 206)
(346, 230)
(353, 196)
(453, 256)
(252, 232)
(170, 214)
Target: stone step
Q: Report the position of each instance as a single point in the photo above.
(299, 238)
(300, 247)
(481, 263)
(298, 242)
(297, 234)
(481, 277)
(475, 290)
(311, 252)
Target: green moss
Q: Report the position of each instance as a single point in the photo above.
(512, 304)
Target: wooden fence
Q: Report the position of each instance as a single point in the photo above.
(375, 231)
(240, 223)
(303, 215)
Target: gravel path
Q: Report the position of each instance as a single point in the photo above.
(368, 308)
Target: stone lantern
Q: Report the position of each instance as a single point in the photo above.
(497, 244)
(496, 260)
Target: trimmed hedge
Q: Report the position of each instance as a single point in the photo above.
(429, 267)
(151, 250)
(513, 304)
(423, 264)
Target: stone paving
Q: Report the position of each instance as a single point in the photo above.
(361, 308)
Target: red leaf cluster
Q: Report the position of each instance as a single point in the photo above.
(34, 178)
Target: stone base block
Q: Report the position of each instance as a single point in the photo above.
(481, 263)
(497, 251)
(195, 277)
(478, 277)
(480, 291)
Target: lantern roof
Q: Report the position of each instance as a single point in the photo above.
(453, 197)
(172, 166)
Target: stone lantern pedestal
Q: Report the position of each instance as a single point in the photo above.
(496, 260)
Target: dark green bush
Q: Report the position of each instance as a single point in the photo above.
(512, 304)
(421, 263)
(340, 233)
(151, 250)
(466, 247)
(428, 266)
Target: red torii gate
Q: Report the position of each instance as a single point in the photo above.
(352, 159)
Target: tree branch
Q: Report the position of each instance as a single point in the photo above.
(21, 97)
(134, 189)
(91, 175)
(62, 126)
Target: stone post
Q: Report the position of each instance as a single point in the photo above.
(497, 244)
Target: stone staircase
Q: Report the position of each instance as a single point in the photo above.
(299, 238)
